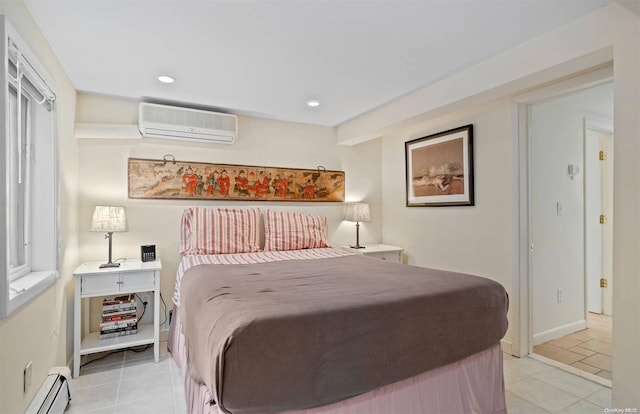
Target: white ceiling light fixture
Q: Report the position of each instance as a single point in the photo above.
(166, 79)
(313, 103)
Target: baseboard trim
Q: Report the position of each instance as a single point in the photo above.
(559, 331)
(506, 346)
(70, 363)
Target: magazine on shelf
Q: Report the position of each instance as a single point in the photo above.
(119, 302)
(113, 312)
(119, 299)
(110, 329)
(119, 333)
(118, 317)
(119, 324)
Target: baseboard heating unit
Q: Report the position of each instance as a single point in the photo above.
(54, 394)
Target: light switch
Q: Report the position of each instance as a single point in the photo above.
(559, 208)
(573, 170)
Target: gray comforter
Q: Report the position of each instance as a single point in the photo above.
(297, 334)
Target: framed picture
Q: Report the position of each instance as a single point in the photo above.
(439, 169)
(183, 180)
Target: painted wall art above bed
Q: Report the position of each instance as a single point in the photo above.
(181, 180)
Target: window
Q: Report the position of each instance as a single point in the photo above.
(28, 170)
(19, 263)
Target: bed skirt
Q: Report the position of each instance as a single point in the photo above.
(473, 385)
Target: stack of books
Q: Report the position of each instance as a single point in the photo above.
(119, 317)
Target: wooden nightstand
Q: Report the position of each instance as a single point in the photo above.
(379, 251)
(132, 276)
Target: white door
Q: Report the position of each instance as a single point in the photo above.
(593, 228)
(598, 202)
(556, 221)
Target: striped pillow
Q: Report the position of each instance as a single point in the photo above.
(219, 231)
(294, 231)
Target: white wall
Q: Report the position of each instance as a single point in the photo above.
(103, 179)
(610, 33)
(557, 140)
(626, 199)
(41, 331)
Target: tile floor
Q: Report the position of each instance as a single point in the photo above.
(534, 387)
(588, 350)
(132, 383)
(129, 382)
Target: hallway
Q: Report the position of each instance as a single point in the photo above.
(588, 350)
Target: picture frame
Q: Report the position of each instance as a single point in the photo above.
(439, 169)
(168, 179)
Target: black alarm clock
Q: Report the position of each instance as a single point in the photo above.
(148, 253)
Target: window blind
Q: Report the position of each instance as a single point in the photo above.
(30, 81)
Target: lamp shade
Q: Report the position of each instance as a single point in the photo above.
(357, 212)
(109, 219)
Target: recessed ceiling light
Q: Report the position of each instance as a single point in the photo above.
(313, 103)
(166, 79)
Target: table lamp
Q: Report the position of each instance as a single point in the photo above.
(357, 212)
(109, 219)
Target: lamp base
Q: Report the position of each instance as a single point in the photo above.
(357, 246)
(109, 263)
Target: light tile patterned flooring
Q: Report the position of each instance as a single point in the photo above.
(588, 350)
(534, 387)
(132, 383)
(129, 382)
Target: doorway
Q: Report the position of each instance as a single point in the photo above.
(570, 205)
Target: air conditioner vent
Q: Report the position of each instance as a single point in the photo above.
(172, 122)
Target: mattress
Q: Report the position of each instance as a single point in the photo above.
(285, 335)
(472, 385)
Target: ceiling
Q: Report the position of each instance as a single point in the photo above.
(267, 57)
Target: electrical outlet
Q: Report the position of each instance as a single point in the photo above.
(27, 376)
(560, 295)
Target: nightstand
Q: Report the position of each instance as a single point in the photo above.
(379, 251)
(132, 276)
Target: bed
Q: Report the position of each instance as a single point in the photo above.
(292, 325)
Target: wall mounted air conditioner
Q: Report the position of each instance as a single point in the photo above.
(172, 122)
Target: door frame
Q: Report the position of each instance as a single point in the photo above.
(521, 321)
